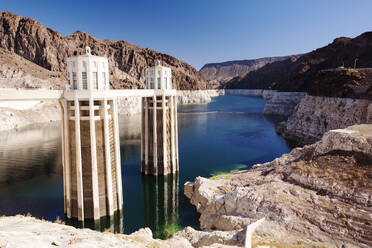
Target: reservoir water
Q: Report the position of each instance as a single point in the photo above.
(230, 133)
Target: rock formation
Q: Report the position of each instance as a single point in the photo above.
(22, 232)
(48, 49)
(197, 96)
(314, 115)
(282, 104)
(316, 196)
(218, 74)
(301, 73)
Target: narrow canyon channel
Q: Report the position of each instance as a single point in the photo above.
(230, 133)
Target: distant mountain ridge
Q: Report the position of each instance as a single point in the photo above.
(47, 48)
(218, 74)
(306, 73)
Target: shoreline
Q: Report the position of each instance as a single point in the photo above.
(314, 196)
(300, 118)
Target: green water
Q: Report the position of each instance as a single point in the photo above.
(228, 134)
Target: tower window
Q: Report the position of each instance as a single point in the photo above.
(95, 80)
(74, 80)
(84, 78)
(104, 78)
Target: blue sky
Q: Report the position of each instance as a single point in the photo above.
(203, 31)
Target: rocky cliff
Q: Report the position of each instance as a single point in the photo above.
(47, 48)
(301, 73)
(316, 196)
(217, 74)
(313, 116)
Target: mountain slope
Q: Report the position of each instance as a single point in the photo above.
(300, 72)
(219, 73)
(45, 47)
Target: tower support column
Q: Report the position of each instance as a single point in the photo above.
(110, 197)
(117, 154)
(79, 168)
(159, 125)
(93, 150)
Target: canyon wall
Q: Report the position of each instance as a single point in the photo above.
(217, 74)
(314, 116)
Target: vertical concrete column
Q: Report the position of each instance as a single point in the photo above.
(117, 154)
(155, 143)
(79, 168)
(66, 146)
(146, 132)
(110, 198)
(63, 130)
(93, 151)
(142, 133)
(165, 151)
(176, 132)
(172, 133)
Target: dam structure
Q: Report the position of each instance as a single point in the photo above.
(91, 158)
(159, 143)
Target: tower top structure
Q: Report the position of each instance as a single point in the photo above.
(87, 72)
(159, 77)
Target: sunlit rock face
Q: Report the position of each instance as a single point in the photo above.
(317, 195)
(314, 116)
(197, 96)
(283, 103)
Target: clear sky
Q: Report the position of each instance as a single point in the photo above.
(203, 31)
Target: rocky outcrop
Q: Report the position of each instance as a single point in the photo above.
(304, 73)
(212, 238)
(197, 96)
(218, 74)
(282, 103)
(15, 115)
(47, 48)
(315, 196)
(20, 231)
(313, 116)
(18, 72)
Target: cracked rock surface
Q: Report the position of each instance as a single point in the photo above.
(317, 196)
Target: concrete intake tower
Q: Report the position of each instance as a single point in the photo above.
(159, 144)
(90, 141)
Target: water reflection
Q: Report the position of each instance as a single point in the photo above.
(31, 151)
(160, 201)
(114, 224)
(31, 171)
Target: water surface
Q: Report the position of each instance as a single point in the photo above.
(229, 133)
